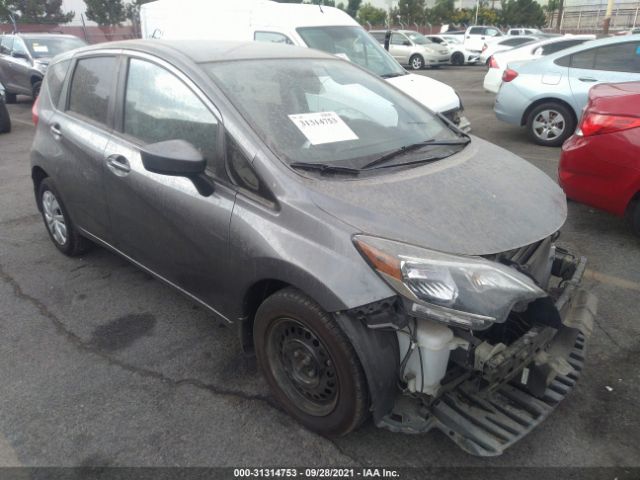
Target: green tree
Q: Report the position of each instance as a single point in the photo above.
(36, 11)
(341, 6)
(411, 11)
(106, 13)
(352, 7)
(371, 14)
(523, 12)
(442, 12)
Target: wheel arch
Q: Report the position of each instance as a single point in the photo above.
(38, 174)
(540, 101)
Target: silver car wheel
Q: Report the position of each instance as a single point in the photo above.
(416, 62)
(549, 125)
(54, 217)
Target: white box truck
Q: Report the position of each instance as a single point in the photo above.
(323, 28)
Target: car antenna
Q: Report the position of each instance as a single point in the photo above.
(320, 5)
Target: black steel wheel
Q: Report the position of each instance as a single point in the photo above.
(457, 58)
(309, 363)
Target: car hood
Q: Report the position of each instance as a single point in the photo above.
(435, 95)
(481, 201)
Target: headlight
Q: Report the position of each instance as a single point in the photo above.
(466, 291)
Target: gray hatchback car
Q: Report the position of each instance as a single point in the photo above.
(377, 260)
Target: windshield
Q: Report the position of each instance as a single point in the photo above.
(354, 44)
(418, 38)
(452, 40)
(325, 111)
(50, 47)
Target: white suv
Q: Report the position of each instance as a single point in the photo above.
(475, 37)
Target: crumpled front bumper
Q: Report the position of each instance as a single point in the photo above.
(487, 422)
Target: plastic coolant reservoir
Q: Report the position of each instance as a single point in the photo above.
(434, 341)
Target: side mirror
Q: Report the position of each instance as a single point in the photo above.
(20, 55)
(178, 158)
(406, 43)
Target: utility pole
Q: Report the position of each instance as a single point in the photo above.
(477, 8)
(607, 17)
(559, 21)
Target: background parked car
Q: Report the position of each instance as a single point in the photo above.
(328, 29)
(524, 31)
(600, 164)
(459, 55)
(24, 59)
(548, 95)
(413, 49)
(5, 120)
(500, 44)
(476, 37)
(498, 61)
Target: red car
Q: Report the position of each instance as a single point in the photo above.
(600, 163)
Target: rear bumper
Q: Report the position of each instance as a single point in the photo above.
(510, 104)
(487, 422)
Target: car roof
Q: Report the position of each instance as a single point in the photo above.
(592, 44)
(206, 51)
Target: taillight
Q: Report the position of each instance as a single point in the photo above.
(492, 62)
(597, 124)
(35, 116)
(509, 75)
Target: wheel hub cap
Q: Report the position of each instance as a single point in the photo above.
(549, 124)
(54, 217)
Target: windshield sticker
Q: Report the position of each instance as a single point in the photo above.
(323, 127)
(40, 48)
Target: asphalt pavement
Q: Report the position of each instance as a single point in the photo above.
(102, 365)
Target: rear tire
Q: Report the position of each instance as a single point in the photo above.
(634, 216)
(35, 90)
(416, 62)
(61, 230)
(457, 59)
(550, 124)
(309, 363)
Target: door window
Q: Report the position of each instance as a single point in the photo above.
(272, 37)
(159, 107)
(492, 32)
(20, 47)
(557, 46)
(621, 57)
(379, 36)
(397, 39)
(585, 59)
(7, 45)
(92, 87)
(476, 31)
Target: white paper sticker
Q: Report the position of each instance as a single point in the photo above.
(323, 127)
(525, 376)
(40, 48)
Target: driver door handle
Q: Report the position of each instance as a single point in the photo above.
(118, 165)
(587, 79)
(55, 131)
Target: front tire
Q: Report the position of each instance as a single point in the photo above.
(550, 124)
(5, 120)
(309, 363)
(416, 62)
(57, 222)
(457, 59)
(634, 216)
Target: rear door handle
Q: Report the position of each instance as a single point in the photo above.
(118, 165)
(587, 79)
(55, 131)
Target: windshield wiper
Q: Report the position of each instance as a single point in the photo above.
(414, 146)
(393, 75)
(324, 168)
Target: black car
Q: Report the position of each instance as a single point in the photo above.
(24, 59)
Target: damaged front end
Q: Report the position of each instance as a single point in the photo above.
(488, 382)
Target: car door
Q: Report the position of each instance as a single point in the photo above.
(400, 48)
(6, 46)
(619, 62)
(159, 221)
(18, 66)
(475, 39)
(82, 131)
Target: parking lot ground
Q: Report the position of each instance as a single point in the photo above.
(102, 365)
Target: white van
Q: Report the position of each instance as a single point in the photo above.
(323, 28)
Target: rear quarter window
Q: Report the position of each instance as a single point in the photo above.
(92, 87)
(56, 75)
